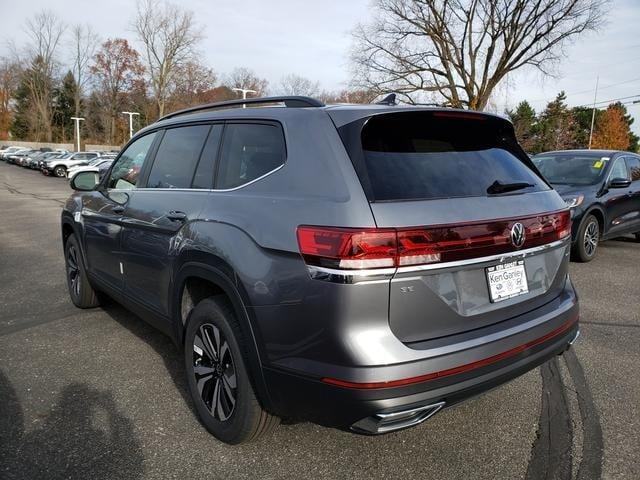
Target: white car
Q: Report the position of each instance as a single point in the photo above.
(95, 165)
(11, 151)
(59, 166)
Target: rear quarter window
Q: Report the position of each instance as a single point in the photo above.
(249, 151)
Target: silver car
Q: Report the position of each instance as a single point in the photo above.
(360, 266)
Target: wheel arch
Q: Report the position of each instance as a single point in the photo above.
(69, 227)
(598, 212)
(220, 278)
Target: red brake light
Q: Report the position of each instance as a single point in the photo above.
(350, 248)
(347, 248)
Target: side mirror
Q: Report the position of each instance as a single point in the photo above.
(85, 181)
(619, 183)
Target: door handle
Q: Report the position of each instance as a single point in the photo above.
(177, 216)
(118, 209)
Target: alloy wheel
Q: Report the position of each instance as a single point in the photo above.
(591, 237)
(73, 271)
(214, 371)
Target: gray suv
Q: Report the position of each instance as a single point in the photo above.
(359, 266)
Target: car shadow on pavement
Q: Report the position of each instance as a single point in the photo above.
(84, 435)
(162, 344)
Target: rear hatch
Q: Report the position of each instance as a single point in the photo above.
(481, 238)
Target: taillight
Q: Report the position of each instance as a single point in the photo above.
(347, 248)
(352, 248)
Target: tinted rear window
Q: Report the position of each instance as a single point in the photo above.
(425, 155)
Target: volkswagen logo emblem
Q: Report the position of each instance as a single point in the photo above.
(517, 235)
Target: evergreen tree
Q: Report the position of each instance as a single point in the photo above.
(583, 117)
(22, 112)
(95, 123)
(64, 109)
(558, 126)
(525, 124)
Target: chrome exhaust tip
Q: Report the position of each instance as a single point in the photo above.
(389, 422)
(575, 338)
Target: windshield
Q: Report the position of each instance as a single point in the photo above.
(572, 168)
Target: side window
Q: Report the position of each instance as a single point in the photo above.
(619, 169)
(177, 157)
(634, 168)
(203, 177)
(249, 151)
(125, 172)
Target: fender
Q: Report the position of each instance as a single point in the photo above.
(221, 278)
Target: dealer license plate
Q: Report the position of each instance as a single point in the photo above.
(507, 280)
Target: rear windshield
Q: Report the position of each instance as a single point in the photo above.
(426, 155)
(575, 168)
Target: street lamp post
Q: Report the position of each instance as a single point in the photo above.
(77, 120)
(244, 93)
(131, 114)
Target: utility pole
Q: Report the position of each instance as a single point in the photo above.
(77, 120)
(593, 111)
(131, 114)
(244, 93)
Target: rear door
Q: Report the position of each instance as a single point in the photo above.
(485, 238)
(176, 186)
(633, 164)
(619, 203)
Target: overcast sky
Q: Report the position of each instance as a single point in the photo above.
(312, 39)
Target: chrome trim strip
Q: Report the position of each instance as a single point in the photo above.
(213, 189)
(382, 274)
(501, 257)
(351, 276)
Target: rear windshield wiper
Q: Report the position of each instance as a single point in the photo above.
(497, 187)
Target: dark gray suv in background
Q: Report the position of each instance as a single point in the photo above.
(359, 266)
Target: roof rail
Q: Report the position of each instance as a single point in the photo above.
(289, 101)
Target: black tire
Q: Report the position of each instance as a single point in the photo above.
(60, 171)
(637, 237)
(586, 245)
(214, 359)
(80, 290)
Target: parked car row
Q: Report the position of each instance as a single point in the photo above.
(57, 163)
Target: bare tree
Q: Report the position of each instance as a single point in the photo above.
(84, 42)
(460, 50)
(169, 35)
(293, 84)
(193, 81)
(45, 31)
(244, 78)
(348, 96)
(9, 79)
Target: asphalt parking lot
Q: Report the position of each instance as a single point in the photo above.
(99, 394)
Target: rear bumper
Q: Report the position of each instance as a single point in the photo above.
(358, 398)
